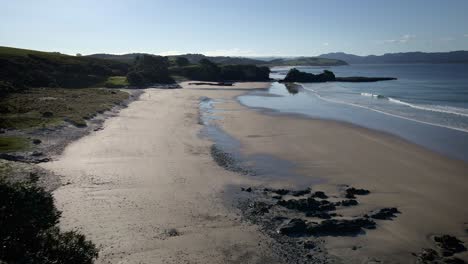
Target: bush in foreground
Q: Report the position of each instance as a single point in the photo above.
(28, 233)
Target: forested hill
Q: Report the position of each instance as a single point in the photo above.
(31, 68)
(405, 57)
(195, 58)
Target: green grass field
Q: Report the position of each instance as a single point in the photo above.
(45, 107)
(116, 82)
(9, 144)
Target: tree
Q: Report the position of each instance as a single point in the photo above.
(136, 79)
(149, 69)
(182, 61)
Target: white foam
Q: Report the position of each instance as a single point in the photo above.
(372, 95)
(434, 108)
(383, 112)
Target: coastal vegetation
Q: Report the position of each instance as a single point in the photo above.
(226, 60)
(149, 69)
(21, 69)
(29, 232)
(10, 144)
(43, 107)
(207, 70)
(116, 82)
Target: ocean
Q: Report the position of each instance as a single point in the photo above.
(427, 104)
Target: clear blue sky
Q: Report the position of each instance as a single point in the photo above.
(242, 27)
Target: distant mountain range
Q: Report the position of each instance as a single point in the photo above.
(195, 58)
(405, 57)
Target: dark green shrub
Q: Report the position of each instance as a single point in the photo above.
(149, 69)
(182, 61)
(135, 78)
(209, 71)
(28, 232)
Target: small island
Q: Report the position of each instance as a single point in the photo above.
(294, 75)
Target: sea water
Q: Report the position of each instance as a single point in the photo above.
(427, 104)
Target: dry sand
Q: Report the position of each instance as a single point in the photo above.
(148, 171)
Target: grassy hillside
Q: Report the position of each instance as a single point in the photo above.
(125, 58)
(225, 60)
(22, 68)
(43, 107)
(306, 61)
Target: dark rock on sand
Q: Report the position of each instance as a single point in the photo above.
(37, 153)
(427, 255)
(336, 227)
(350, 202)
(385, 214)
(227, 161)
(454, 261)
(246, 189)
(431, 256)
(351, 192)
(259, 208)
(293, 227)
(300, 192)
(322, 215)
(309, 245)
(307, 205)
(449, 244)
(172, 232)
(281, 191)
(36, 141)
(320, 195)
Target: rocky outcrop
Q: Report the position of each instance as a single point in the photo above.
(294, 75)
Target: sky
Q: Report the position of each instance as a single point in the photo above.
(235, 28)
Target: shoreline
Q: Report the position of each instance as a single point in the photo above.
(160, 186)
(420, 156)
(386, 123)
(351, 125)
(145, 192)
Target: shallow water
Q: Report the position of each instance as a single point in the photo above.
(259, 165)
(429, 93)
(308, 102)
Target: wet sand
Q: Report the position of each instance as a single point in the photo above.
(429, 189)
(148, 171)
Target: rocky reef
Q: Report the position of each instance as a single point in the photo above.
(294, 75)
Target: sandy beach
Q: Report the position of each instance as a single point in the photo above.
(147, 190)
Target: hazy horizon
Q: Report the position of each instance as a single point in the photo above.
(240, 28)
